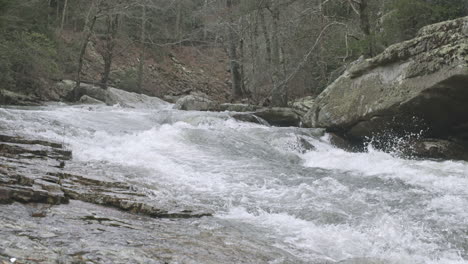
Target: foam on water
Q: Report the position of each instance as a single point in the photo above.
(322, 205)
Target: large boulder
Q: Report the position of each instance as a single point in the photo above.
(90, 90)
(196, 103)
(417, 85)
(133, 100)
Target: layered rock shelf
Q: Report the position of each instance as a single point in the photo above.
(34, 171)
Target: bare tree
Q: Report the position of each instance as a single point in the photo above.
(93, 13)
(236, 76)
(112, 21)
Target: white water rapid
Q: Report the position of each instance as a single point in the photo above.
(266, 191)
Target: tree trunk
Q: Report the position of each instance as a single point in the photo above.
(112, 26)
(88, 32)
(364, 21)
(142, 54)
(236, 76)
(265, 36)
(64, 13)
(279, 93)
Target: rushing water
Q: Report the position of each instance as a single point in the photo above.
(306, 206)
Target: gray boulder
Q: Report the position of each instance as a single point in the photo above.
(195, 103)
(419, 84)
(92, 94)
(133, 100)
(280, 116)
(90, 90)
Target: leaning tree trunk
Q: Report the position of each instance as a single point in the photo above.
(236, 76)
(64, 14)
(88, 33)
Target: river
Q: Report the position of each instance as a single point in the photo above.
(271, 196)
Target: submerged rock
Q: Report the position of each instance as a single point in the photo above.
(196, 103)
(419, 84)
(280, 116)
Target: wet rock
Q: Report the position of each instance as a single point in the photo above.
(196, 103)
(238, 107)
(89, 100)
(438, 149)
(87, 233)
(251, 118)
(279, 116)
(416, 85)
(341, 142)
(305, 146)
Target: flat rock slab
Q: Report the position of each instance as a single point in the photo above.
(34, 171)
(81, 232)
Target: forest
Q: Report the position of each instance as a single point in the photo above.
(263, 51)
(234, 131)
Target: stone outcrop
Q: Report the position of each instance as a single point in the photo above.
(417, 85)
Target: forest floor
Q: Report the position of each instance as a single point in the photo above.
(168, 70)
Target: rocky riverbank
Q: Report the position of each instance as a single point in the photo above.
(36, 183)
